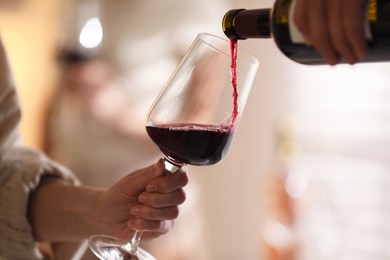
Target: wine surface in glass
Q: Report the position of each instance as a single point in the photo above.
(193, 144)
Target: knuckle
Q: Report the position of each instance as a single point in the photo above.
(164, 185)
(145, 212)
(153, 200)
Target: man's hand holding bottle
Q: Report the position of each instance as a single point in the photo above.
(334, 27)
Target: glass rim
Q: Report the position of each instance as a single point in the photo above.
(250, 56)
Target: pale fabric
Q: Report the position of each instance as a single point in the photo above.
(21, 170)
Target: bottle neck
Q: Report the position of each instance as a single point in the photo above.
(243, 24)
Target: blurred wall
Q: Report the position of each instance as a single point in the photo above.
(29, 29)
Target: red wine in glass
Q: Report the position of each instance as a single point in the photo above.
(192, 143)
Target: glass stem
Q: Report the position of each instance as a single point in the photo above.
(135, 241)
(171, 165)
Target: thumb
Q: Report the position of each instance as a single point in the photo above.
(135, 182)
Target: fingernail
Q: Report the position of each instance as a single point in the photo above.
(150, 188)
(142, 198)
(135, 211)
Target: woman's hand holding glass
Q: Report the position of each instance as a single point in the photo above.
(148, 200)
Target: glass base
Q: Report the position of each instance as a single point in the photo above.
(110, 248)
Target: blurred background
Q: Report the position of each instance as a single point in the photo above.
(307, 176)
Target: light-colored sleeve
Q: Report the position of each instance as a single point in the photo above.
(21, 170)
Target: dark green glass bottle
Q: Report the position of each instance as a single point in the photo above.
(276, 23)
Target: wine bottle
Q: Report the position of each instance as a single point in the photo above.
(277, 23)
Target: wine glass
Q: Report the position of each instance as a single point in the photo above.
(194, 118)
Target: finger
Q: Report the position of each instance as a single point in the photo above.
(301, 19)
(353, 22)
(151, 228)
(161, 200)
(148, 213)
(168, 183)
(337, 32)
(320, 33)
(136, 181)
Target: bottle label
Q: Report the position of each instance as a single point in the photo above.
(297, 37)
